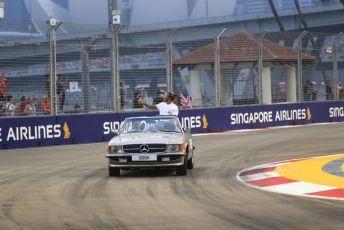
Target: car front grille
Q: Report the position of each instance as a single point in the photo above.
(153, 148)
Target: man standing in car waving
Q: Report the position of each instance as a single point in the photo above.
(167, 107)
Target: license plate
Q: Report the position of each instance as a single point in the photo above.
(144, 157)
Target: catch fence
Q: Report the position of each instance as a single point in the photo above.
(204, 67)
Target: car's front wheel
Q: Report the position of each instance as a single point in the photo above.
(182, 170)
(114, 171)
(190, 163)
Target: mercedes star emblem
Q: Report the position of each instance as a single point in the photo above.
(144, 148)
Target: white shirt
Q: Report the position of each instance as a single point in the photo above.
(10, 108)
(167, 109)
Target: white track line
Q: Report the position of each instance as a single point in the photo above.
(297, 188)
(259, 176)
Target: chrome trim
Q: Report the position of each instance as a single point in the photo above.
(139, 148)
(146, 165)
(131, 154)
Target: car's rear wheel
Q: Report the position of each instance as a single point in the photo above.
(182, 170)
(114, 171)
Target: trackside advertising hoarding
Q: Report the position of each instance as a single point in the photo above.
(75, 129)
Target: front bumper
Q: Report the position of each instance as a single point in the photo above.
(176, 159)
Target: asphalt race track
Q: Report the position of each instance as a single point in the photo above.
(67, 187)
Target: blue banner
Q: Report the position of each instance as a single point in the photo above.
(74, 129)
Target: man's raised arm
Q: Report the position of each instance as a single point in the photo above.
(143, 102)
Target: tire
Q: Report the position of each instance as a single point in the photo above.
(182, 170)
(114, 171)
(190, 163)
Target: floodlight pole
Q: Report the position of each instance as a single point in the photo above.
(260, 67)
(299, 65)
(335, 65)
(169, 53)
(85, 56)
(116, 27)
(217, 68)
(53, 26)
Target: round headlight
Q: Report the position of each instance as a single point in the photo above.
(175, 148)
(116, 149)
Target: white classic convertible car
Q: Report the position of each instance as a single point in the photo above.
(150, 142)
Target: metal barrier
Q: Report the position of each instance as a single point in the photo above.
(76, 129)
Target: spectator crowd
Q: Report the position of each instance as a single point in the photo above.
(25, 106)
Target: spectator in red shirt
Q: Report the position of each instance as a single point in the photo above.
(22, 105)
(3, 88)
(46, 106)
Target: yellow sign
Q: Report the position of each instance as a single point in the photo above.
(66, 130)
(309, 114)
(205, 122)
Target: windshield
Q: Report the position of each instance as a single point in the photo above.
(156, 124)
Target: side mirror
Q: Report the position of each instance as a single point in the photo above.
(187, 130)
(115, 131)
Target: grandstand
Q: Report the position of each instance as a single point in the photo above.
(143, 48)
